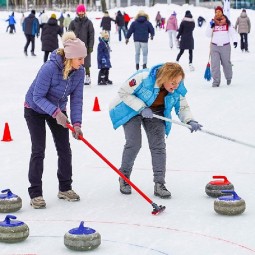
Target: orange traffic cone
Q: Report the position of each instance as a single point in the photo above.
(96, 107)
(7, 134)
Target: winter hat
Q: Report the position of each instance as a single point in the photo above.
(53, 16)
(174, 13)
(81, 8)
(33, 12)
(243, 10)
(218, 8)
(188, 14)
(73, 46)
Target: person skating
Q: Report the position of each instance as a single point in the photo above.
(220, 31)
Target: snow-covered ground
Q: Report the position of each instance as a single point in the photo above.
(189, 224)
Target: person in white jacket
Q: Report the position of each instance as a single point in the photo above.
(221, 31)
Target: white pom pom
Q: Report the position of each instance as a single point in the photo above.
(70, 35)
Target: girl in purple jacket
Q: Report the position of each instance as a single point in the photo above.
(45, 102)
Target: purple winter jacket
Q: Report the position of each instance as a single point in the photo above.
(50, 91)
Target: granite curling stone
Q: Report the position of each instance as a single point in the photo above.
(13, 231)
(9, 202)
(82, 238)
(229, 205)
(214, 188)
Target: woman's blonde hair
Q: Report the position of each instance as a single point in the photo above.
(168, 72)
(67, 64)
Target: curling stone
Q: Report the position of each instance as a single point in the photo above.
(214, 188)
(9, 202)
(229, 205)
(13, 231)
(82, 238)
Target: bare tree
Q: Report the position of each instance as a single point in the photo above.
(187, 1)
(103, 5)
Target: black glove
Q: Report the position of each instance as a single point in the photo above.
(194, 126)
(235, 44)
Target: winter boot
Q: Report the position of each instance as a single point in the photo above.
(228, 82)
(33, 54)
(69, 195)
(25, 52)
(38, 203)
(137, 66)
(161, 191)
(87, 80)
(125, 188)
(144, 66)
(109, 82)
(102, 82)
(191, 68)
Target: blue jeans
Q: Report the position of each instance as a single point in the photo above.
(37, 129)
(138, 47)
(123, 30)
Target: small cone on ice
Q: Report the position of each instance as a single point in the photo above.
(7, 134)
(96, 107)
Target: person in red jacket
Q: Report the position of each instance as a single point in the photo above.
(126, 19)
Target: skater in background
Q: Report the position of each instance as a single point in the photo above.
(46, 102)
(142, 29)
(67, 21)
(200, 21)
(43, 19)
(126, 19)
(61, 20)
(221, 31)
(103, 59)
(171, 29)
(11, 24)
(84, 30)
(185, 35)
(158, 90)
(49, 37)
(106, 23)
(243, 27)
(121, 25)
(31, 29)
(158, 20)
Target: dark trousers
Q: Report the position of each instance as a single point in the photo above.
(46, 55)
(30, 38)
(190, 55)
(37, 129)
(244, 41)
(103, 75)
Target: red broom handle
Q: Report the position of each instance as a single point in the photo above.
(112, 166)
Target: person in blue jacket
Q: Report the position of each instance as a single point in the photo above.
(141, 29)
(103, 59)
(157, 91)
(11, 24)
(45, 102)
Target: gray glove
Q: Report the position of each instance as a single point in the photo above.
(147, 113)
(62, 119)
(194, 126)
(77, 132)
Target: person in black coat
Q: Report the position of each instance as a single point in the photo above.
(121, 24)
(185, 35)
(141, 29)
(31, 29)
(103, 59)
(106, 23)
(200, 21)
(49, 37)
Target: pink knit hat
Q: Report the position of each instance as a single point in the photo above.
(81, 8)
(74, 48)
